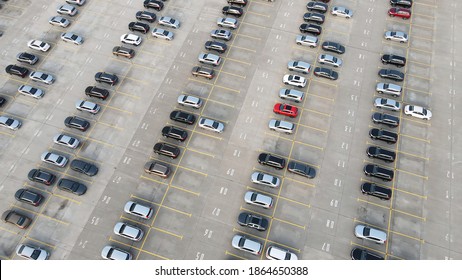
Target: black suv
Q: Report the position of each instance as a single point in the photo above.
(182, 117)
(383, 135)
(138, 26)
(374, 170)
(147, 16)
(362, 254)
(385, 119)
(314, 17)
(103, 77)
(166, 150)
(231, 10)
(316, 6)
(97, 92)
(252, 221)
(27, 58)
(396, 60)
(391, 74)
(28, 196)
(401, 3)
(17, 70)
(333, 47)
(216, 46)
(271, 160)
(40, 176)
(174, 133)
(77, 123)
(379, 153)
(153, 4)
(375, 190)
(310, 28)
(301, 169)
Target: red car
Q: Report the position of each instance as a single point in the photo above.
(286, 110)
(400, 12)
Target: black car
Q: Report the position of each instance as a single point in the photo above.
(383, 135)
(166, 149)
(374, 170)
(362, 254)
(401, 3)
(314, 17)
(391, 74)
(375, 190)
(138, 26)
(153, 4)
(147, 16)
(27, 58)
(183, 117)
(379, 153)
(84, 167)
(2, 101)
(301, 169)
(271, 160)
(385, 119)
(216, 46)
(97, 92)
(40, 176)
(396, 60)
(310, 28)
(72, 186)
(17, 70)
(77, 123)
(231, 10)
(238, 2)
(174, 133)
(252, 221)
(326, 73)
(317, 6)
(103, 77)
(333, 47)
(28, 196)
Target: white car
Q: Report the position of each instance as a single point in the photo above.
(87, 106)
(31, 91)
(59, 21)
(294, 80)
(32, 253)
(67, 9)
(397, 36)
(227, 22)
(131, 39)
(162, 34)
(418, 112)
(67, 141)
(114, 253)
(72, 38)
(299, 66)
(342, 12)
(128, 231)
(276, 253)
(42, 77)
(265, 179)
(10, 123)
(211, 125)
(54, 159)
(190, 101)
(209, 58)
(281, 126)
(258, 199)
(38, 45)
(138, 210)
(330, 60)
(170, 22)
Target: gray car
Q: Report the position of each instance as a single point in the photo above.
(54, 159)
(67, 9)
(72, 38)
(299, 66)
(258, 199)
(31, 91)
(67, 141)
(9, 123)
(42, 77)
(389, 104)
(170, 22)
(211, 125)
(281, 126)
(307, 40)
(341, 12)
(291, 94)
(59, 21)
(396, 36)
(247, 245)
(87, 106)
(128, 231)
(264, 179)
(114, 253)
(330, 60)
(227, 22)
(388, 88)
(221, 34)
(162, 34)
(190, 101)
(372, 234)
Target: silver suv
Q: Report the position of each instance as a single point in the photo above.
(128, 231)
(281, 126)
(248, 245)
(291, 94)
(258, 199)
(276, 253)
(299, 66)
(227, 22)
(209, 58)
(372, 234)
(387, 88)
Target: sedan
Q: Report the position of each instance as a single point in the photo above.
(389, 104)
(153, 4)
(103, 77)
(114, 253)
(342, 12)
(265, 179)
(54, 159)
(38, 45)
(325, 73)
(67, 141)
(31, 91)
(41, 176)
(70, 37)
(285, 110)
(294, 80)
(400, 12)
(169, 22)
(17, 70)
(162, 34)
(330, 60)
(391, 74)
(67, 9)
(401, 3)
(418, 112)
(182, 117)
(77, 123)
(131, 39)
(203, 72)
(9, 123)
(84, 167)
(32, 253)
(59, 21)
(333, 47)
(301, 169)
(307, 40)
(221, 34)
(369, 233)
(190, 101)
(138, 210)
(397, 36)
(252, 221)
(29, 197)
(87, 106)
(72, 186)
(42, 77)
(27, 58)
(211, 125)
(16, 219)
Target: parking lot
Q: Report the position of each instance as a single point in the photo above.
(197, 206)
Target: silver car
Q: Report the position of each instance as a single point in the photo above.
(32, 253)
(389, 104)
(341, 12)
(67, 9)
(281, 126)
(87, 106)
(330, 60)
(221, 34)
(276, 253)
(248, 245)
(291, 94)
(227, 22)
(397, 36)
(42, 77)
(9, 123)
(67, 141)
(307, 40)
(128, 231)
(294, 80)
(264, 179)
(170, 22)
(72, 38)
(211, 125)
(162, 34)
(258, 199)
(387, 88)
(209, 58)
(190, 101)
(31, 91)
(54, 159)
(372, 234)
(138, 210)
(59, 21)
(299, 66)
(114, 253)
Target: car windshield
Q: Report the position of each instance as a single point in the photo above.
(9, 122)
(35, 254)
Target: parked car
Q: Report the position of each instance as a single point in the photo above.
(67, 10)
(29, 197)
(32, 253)
(333, 47)
(162, 34)
(153, 4)
(59, 21)
(264, 179)
(174, 132)
(271, 160)
(138, 210)
(397, 36)
(227, 22)
(41, 176)
(77, 123)
(307, 40)
(72, 186)
(247, 245)
(128, 231)
(291, 94)
(16, 218)
(389, 88)
(314, 17)
(276, 253)
(285, 110)
(294, 80)
(317, 6)
(417, 112)
(166, 149)
(376, 190)
(203, 72)
(87, 106)
(211, 125)
(107, 78)
(189, 101)
(383, 135)
(281, 126)
(76, 2)
(131, 39)
(72, 38)
(67, 141)
(123, 51)
(31, 91)
(216, 46)
(400, 12)
(97, 92)
(208, 58)
(363, 254)
(84, 167)
(401, 3)
(232, 10)
(371, 234)
(27, 58)
(16, 70)
(325, 73)
(396, 60)
(145, 15)
(310, 28)
(385, 119)
(301, 169)
(330, 60)
(138, 26)
(238, 2)
(389, 104)
(380, 153)
(252, 221)
(169, 22)
(391, 74)
(258, 199)
(42, 77)
(221, 34)
(299, 66)
(54, 159)
(114, 253)
(10, 123)
(38, 45)
(157, 168)
(373, 170)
